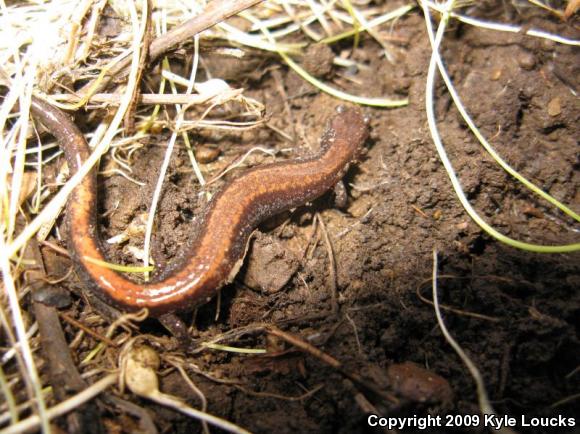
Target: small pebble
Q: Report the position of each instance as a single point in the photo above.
(206, 154)
(496, 74)
(554, 107)
(527, 61)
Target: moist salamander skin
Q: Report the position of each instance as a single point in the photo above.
(213, 256)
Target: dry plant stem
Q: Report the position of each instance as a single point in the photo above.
(285, 100)
(92, 28)
(9, 400)
(167, 158)
(27, 366)
(306, 253)
(187, 363)
(330, 361)
(53, 208)
(217, 11)
(239, 161)
(31, 423)
(60, 250)
(229, 336)
(9, 340)
(565, 400)
(73, 37)
(180, 120)
(282, 397)
(87, 330)
(15, 346)
(63, 374)
(504, 369)
(354, 329)
(571, 8)
(64, 377)
(129, 121)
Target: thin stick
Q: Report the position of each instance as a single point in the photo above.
(63, 373)
(29, 371)
(129, 120)
(330, 361)
(87, 330)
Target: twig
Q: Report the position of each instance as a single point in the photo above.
(144, 98)
(76, 25)
(330, 361)
(87, 330)
(302, 397)
(64, 376)
(129, 121)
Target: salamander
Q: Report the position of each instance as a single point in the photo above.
(212, 257)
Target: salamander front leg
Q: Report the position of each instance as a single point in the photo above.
(178, 329)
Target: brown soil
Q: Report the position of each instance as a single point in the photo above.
(401, 206)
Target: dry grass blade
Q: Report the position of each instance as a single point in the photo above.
(33, 422)
(216, 12)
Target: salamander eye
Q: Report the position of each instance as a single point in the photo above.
(340, 109)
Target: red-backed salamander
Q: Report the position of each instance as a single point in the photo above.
(213, 256)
